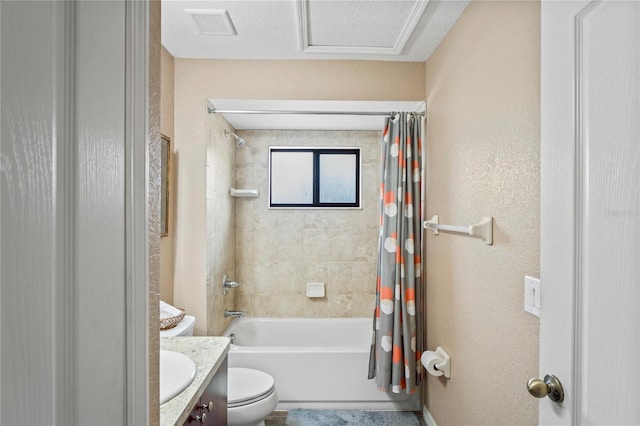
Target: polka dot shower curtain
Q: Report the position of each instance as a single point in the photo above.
(397, 335)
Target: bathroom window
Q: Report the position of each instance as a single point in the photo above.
(314, 177)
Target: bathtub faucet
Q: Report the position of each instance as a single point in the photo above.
(233, 314)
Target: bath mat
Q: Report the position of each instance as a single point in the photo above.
(304, 417)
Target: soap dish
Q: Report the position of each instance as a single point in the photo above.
(315, 290)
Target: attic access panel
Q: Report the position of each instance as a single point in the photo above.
(380, 27)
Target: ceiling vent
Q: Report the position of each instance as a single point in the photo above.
(213, 21)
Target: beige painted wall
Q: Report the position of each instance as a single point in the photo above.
(199, 80)
(279, 251)
(483, 141)
(166, 128)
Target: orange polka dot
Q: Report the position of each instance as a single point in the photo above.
(389, 197)
(397, 354)
(402, 162)
(409, 294)
(386, 293)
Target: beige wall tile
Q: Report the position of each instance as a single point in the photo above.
(221, 214)
(291, 247)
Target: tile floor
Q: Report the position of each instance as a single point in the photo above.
(278, 418)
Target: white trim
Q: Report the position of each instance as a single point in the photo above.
(580, 168)
(303, 24)
(136, 211)
(427, 417)
(65, 170)
(0, 208)
(398, 47)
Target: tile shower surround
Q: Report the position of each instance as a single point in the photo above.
(220, 238)
(278, 251)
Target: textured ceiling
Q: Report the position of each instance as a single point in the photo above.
(394, 30)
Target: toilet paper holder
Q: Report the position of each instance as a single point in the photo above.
(443, 365)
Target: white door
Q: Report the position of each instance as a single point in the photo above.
(74, 292)
(590, 212)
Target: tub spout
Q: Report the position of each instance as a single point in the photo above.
(233, 314)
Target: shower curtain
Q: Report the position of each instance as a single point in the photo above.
(397, 333)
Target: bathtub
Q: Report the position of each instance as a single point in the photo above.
(315, 362)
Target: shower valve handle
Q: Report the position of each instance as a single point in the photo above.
(226, 284)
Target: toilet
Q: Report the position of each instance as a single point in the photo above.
(183, 328)
(251, 396)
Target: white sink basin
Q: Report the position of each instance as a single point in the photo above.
(177, 371)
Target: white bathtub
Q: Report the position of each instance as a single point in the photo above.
(316, 362)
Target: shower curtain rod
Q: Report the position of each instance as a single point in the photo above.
(249, 111)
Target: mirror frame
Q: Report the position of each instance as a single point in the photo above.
(165, 159)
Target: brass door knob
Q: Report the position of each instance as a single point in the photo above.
(550, 387)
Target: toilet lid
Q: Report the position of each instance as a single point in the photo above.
(246, 386)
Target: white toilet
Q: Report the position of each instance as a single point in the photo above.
(183, 328)
(251, 396)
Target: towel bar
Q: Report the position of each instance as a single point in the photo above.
(482, 229)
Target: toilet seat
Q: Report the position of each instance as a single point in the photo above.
(247, 386)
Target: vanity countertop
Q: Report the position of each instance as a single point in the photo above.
(208, 354)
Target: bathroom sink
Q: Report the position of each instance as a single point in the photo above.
(177, 371)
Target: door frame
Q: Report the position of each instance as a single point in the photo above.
(66, 317)
(139, 228)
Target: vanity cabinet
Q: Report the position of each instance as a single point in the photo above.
(211, 408)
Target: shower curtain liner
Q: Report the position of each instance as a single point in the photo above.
(397, 325)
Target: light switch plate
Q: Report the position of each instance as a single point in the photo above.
(532, 295)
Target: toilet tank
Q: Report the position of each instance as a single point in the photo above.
(184, 328)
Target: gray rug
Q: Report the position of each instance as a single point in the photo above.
(303, 417)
